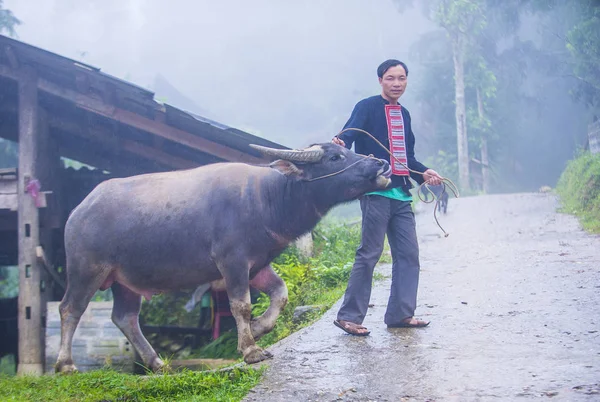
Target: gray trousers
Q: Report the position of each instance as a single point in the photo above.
(381, 215)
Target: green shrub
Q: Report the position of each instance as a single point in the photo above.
(168, 309)
(579, 190)
(9, 282)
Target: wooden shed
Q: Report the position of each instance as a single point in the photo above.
(55, 107)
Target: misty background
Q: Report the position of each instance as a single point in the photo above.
(291, 72)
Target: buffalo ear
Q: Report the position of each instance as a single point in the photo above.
(287, 168)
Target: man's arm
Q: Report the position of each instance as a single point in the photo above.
(358, 119)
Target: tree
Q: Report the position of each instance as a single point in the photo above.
(462, 20)
(434, 94)
(483, 81)
(583, 43)
(8, 21)
(515, 76)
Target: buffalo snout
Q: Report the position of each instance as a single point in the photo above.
(384, 167)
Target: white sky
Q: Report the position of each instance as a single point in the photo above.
(288, 71)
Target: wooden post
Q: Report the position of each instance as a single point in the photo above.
(30, 305)
(47, 161)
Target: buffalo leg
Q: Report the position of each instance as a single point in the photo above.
(125, 315)
(76, 299)
(238, 291)
(267, 281)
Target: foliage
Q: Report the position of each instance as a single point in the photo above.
(224, 347)
(579, 190)
(168, 309)
(9, 282)
(460, 17)
(8, 21)
(7, 365)
(9, 151)
(444, 162)
(523, 56)
(107, 385)
(583, 43)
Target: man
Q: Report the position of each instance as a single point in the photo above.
(387, 211)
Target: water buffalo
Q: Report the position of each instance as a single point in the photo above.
(158, 232)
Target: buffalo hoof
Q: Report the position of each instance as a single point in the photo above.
(64, 368)
(158, 366)
(254, 354)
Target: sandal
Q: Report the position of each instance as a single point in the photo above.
(411, 323)
(351, 328)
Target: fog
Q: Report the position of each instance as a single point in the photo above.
(287, 71)
(291, 72)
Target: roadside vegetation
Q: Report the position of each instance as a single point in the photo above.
(579, 190)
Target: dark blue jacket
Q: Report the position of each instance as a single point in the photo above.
(369, 115)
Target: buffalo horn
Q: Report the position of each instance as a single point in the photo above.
(308, 155)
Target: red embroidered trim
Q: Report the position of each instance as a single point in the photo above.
(395, 125)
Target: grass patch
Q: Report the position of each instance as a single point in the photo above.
(579, 190)
(108, 385)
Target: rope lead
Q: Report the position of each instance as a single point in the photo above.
(445, 181)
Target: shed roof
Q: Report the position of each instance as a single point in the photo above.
(97, 117)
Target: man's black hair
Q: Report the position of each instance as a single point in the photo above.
(386, 65)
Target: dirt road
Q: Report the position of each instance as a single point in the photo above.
(513, 295)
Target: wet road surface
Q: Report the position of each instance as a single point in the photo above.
(513, 295)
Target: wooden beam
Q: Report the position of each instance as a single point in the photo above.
(98, 106)
(31, 347)
(8, 192)
(182, 137)
(107, 137)
(12, 57)
(82, 82)
(44, 262)
(8, 72)
(157, 155)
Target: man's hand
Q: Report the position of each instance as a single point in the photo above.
(432, 177)
(336, 140)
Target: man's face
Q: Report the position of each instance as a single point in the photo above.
(393, 82)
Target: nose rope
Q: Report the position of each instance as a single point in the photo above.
(445, 181)
(338, 172)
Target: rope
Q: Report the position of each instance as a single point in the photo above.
(445, 181)
(334, 173)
